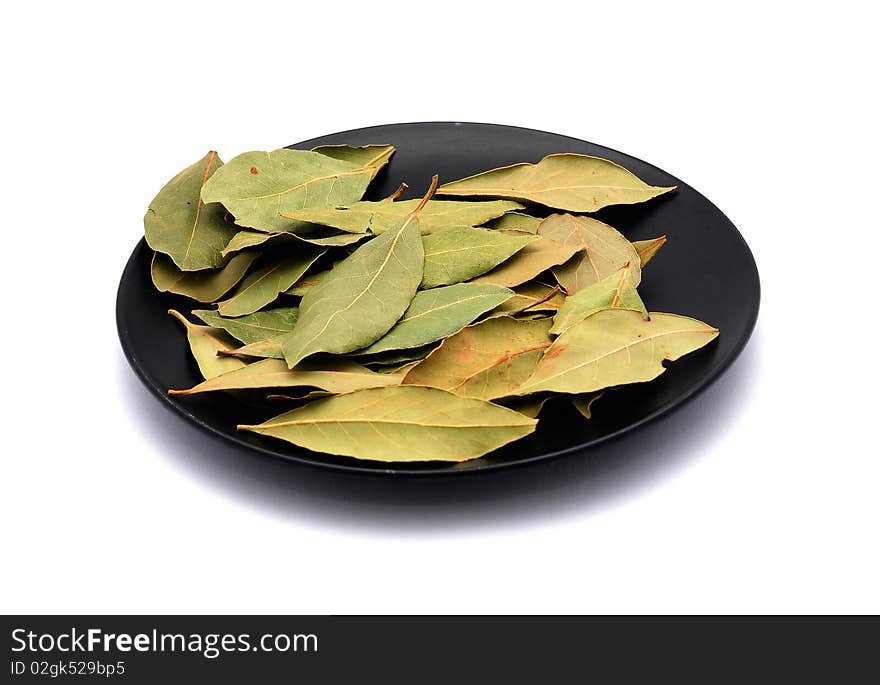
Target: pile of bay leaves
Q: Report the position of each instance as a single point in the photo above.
(409, 330)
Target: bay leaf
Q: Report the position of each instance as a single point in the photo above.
(615, 347)
(265, 284)
(265, 349)
(437, 313)
(532, 296)
(368, 156)
(529, 406)
(396, 357)
(584, 403)
(330, 375)
(537, 256)
(204, 344)
(180, 224)
(245, 239)
(515, 221)
(487, 360)
(399, 424)
(614, 291)
(268, 324)
(363, 296)
(567, 181)
(206, 285)
(646, 249)
(302, 286)
(459, 254)
(256, 187)
(601, 250)
(381, 216)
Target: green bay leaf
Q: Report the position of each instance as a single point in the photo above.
(515, 221)
(363, 296)
(206, 285)
(399, 424)
(368, 156)
(487, 360)
(330, 375)
(437, 313)
(205, 343)
(268, 324)
(381, 216)
(256, 187)
(601, 251)
(646, 249)
(459, 254)
(614, 291)
(571, 182)
(180, 224)
(615, 347)
(265, 284)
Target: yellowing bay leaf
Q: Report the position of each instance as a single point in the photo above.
(265, 284)
(381, 216)
(515, 221)
(180, 224)
(204, 343)
(575, 183)
(614, 291)
(363, 296)
(646, 249)
(486, 360)
(253, 328)
(537, 256)
(399, 424)
(531, 297)
(601, 251)
(584, 403)
(256, 187)
(368, 156)
(437, 313)
(458, 254)
(206, 285)
(330, 375)
(615, 347)
(265, 349)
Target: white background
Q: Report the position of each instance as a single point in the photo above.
(761, 496)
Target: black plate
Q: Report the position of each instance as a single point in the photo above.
(705, 270)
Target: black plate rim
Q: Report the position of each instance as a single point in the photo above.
(179, 409)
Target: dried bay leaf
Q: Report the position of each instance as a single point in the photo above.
(256, 187)
(399, 424)
(180, 224)
(363, 296)
(537, 256)
(265, 284)
(330, 375)
(584, 403)
(206, 285)
(515, 221)
(601, 250)
(245, 239)
(437, 313)
(529, 406)
(646, 249)
(459, 254)
(486, 360)
(614, 291)
(368, 156)
(204, 343)
(381, 216)
(396, 357)
(533, 297)
(571, 182)
(253, 328)
(615, 347)
(265, 349)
